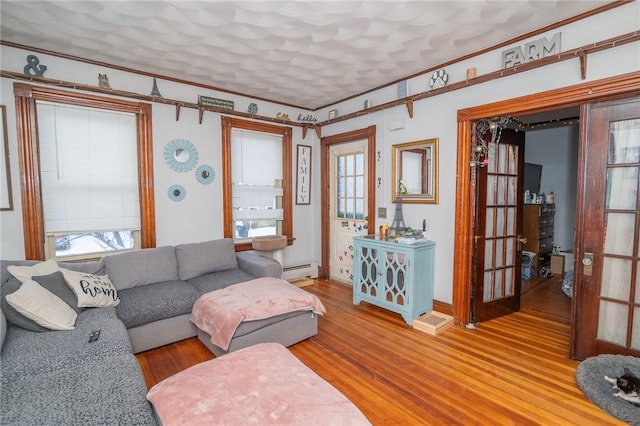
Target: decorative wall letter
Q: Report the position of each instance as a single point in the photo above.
(303, 175)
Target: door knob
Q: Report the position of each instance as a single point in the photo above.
(587, 264)
(521, 240)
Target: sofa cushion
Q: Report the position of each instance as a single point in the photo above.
(13, 316)
(96, 315)
(41, 306)
(202, 258)
(25, 272)
(95, 267)
(28, 353)
(142, 267)
(109, 391)
(218, 280)
(91, 267)
(93, 291)
(56, 284)
(144, 304)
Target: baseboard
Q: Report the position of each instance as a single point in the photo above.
(443, 307)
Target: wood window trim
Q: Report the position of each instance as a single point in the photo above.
(595, 91)
(26, 96)
(229, 123)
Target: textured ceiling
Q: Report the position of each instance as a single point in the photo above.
(304, 53)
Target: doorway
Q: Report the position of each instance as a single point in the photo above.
(348, 213)
(616, 87)
(550, 177)
(335, 237)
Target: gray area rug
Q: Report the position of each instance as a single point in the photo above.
(590, 378)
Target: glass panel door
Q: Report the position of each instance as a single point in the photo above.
(497, 251)
(617, 314)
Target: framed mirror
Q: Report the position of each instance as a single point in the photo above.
(414, 168)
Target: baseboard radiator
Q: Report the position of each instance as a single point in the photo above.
(300, 271)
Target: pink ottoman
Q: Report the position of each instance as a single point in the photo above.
(263, 384)
(257, 311)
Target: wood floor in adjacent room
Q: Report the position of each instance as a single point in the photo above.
(512, 370)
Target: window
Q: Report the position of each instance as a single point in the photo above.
(350, 186)
(256, 180)
(87, 181)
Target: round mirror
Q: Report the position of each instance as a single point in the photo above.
(180, 155)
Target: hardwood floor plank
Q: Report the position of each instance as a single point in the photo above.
(512, 370)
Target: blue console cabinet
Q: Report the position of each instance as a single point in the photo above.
(394, 276)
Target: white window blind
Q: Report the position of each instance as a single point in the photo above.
(88, 169)
(256, 168)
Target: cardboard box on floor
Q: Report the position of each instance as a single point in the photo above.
(557, 264)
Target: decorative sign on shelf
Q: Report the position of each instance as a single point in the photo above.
(531, 51)
(33, 66)
(439, 79)
(306, 118)
(303, 175)
(403, 89)
(215, 102)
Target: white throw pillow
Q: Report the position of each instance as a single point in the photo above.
(43, 307)
(93, 291)
(23, 273)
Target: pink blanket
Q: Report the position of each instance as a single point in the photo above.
(263, 384)
(220, 312)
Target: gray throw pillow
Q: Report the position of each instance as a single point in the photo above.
(57, 285)
(12, 315)
(197, 259)
(141, 267)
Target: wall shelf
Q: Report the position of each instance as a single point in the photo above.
(149, 98)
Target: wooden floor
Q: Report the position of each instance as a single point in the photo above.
(513, 370)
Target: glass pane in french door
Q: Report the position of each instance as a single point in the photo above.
(500, 226)
(619, 315)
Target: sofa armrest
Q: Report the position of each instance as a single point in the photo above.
(259, 266)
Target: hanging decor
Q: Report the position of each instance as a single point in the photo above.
(176, 193)
(486, 149)
(303, 175)
(205, 174)
(180, 155)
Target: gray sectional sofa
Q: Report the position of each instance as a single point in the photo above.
(60, 377)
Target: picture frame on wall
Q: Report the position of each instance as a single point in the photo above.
(6, 196)
(303, 175)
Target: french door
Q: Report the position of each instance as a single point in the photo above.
(498, 229)
(607, 279)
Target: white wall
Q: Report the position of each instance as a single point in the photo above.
(198, 217)
(557, 151)
(436, 117)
